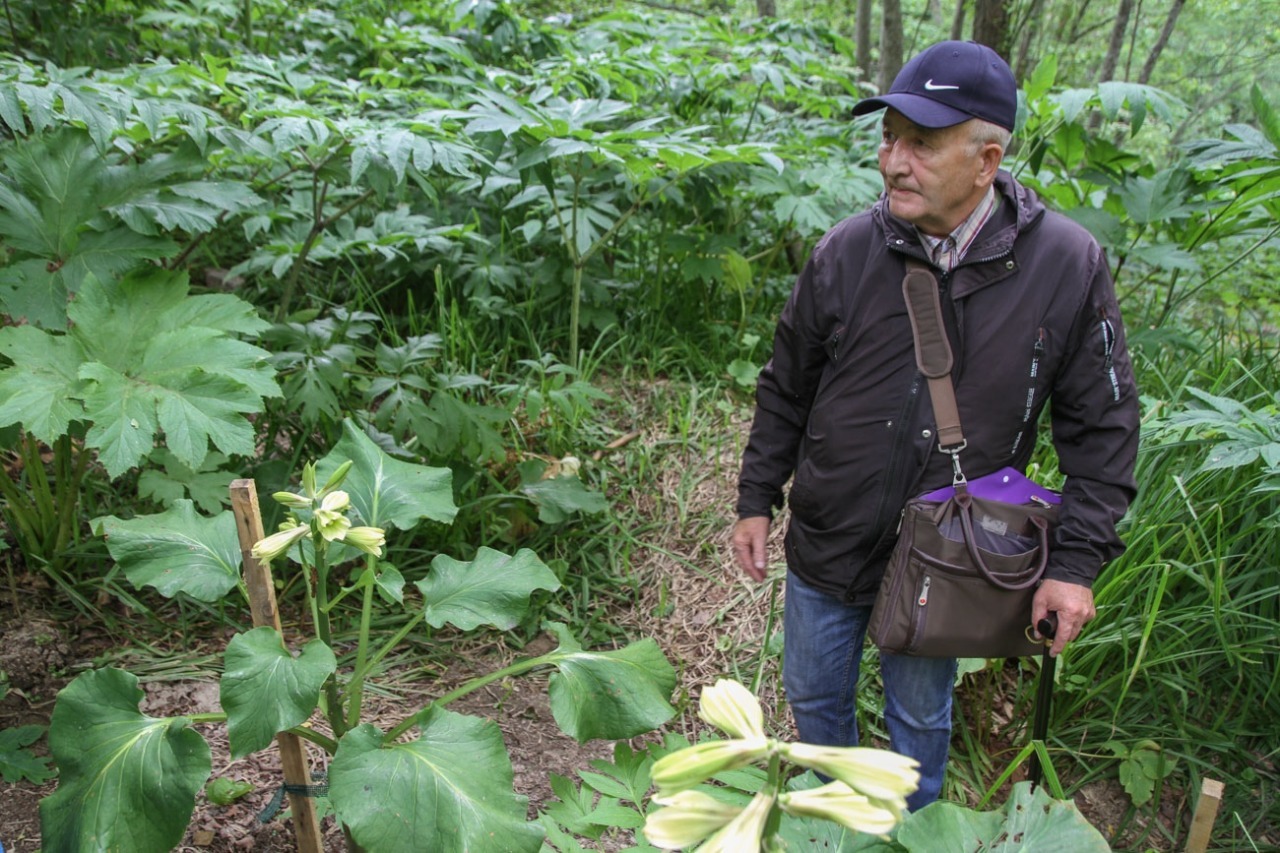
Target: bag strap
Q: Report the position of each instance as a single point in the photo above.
(934, 357)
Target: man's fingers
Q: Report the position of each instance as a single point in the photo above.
(750, 536)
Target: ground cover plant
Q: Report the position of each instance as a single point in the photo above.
(543, 254)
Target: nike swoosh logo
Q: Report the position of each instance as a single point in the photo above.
(933, 87)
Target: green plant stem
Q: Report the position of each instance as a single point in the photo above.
(394, 641)
(215, 717)
(325, 632)
(575, 311)
(517, 668)
(768, 634)
(18, 508)
(355, 687)
(321, 222)
(41, 494)
(69, 494)
(328, 744)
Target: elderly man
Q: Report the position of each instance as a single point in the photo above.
(1031, 312)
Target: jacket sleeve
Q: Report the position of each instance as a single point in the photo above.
(1095, 417)
(785, 392)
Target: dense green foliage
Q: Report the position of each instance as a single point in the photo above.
(230, 228)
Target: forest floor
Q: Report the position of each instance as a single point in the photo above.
(692, 601)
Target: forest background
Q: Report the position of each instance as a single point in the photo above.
(541, 247)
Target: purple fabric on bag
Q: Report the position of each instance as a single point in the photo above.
(1008, 485)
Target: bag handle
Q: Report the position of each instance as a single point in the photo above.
(964, 501)
(934, 357)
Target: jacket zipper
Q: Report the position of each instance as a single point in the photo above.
(1108, 345)
(1037, 353)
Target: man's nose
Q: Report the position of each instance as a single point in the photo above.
(893, 160)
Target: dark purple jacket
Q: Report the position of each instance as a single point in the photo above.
(1032, 316)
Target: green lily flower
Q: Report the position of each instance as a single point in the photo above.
(839, 803)
(686, 818)
(742, 834)
(277, 543)
(733, 709)
(689, 767)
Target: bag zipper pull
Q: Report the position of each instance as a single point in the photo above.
(924, 592)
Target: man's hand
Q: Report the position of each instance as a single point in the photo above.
(1072, 602)
(749, 538)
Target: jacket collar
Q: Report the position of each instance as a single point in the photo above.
(991, 256)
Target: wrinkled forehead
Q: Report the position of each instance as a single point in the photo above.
(900, 124)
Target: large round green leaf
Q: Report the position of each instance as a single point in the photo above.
(265, 689)
(127, 781)
(494, 589)
(1030, 820)
(615, 694)
(385, 491)
(176, 551)
(447, 792)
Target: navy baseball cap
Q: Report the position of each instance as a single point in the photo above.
(951, 82)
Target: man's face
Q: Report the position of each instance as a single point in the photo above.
(934, 177)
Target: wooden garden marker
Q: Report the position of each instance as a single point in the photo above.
(1206, 813)
(262, 604)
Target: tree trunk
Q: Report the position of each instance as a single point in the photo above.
(991, 25)
(890, 43)
(957, 22)
(1149, 66)
(862, 37)
(767, 8)
(1030, 27)
(1112, 59)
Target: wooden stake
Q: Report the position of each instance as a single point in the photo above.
(1206, 813)
(262, 604)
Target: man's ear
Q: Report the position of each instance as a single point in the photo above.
(990, 155)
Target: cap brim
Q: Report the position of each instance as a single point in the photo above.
(917, 108)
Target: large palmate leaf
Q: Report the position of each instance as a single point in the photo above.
(615, 695)
(266, 690)
(51, 200)
(153, 361)
(40, 388)
(494, 589)
(127, 781)
(385, 491)
(176, 551)
(1029, 821)
(449, 791)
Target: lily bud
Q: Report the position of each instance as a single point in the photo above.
(367, 539)
(839, 803)
(694, 764)
(733, 709)
(277, 543)
(685, 819)
(570, 466)
(742, 834)
(291, 500)
(336, 478)
(309, 479)
(883, 776)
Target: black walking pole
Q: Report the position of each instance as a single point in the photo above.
(1046, 627)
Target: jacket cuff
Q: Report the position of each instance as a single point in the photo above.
(1078, 567)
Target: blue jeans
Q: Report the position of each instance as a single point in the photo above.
(822, 650)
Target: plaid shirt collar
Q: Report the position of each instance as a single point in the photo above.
(947, 252)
